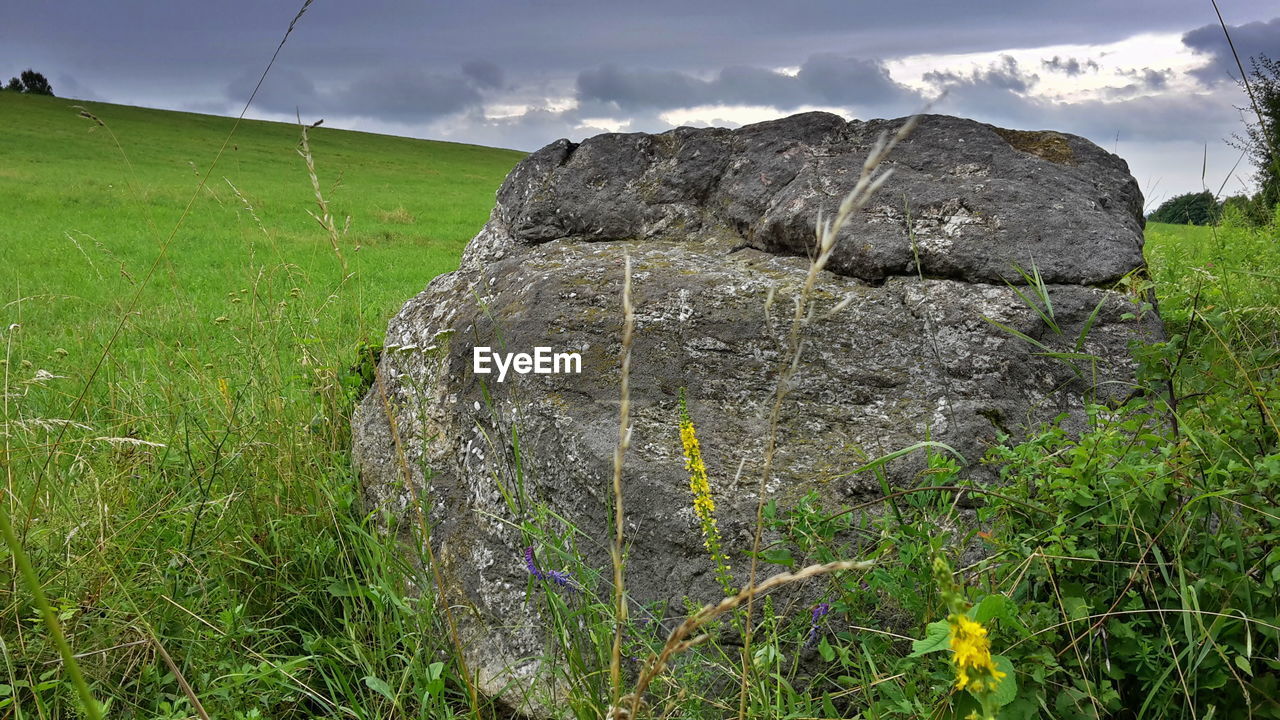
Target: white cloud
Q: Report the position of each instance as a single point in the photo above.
(1162, 50)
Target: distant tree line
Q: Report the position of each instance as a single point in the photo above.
(29, 82)
(1203, 208)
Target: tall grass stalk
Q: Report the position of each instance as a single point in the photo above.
(325, 218)
(619, 454)
(828, 232)
(1244, 78)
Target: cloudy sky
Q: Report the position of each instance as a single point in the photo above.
(1150, 80)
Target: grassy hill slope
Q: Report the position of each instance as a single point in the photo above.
(174, 446)
(87, 216)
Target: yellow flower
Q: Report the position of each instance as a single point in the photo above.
(972, 655)
(703, 506)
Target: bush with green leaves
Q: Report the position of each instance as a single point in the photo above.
(1188, 209)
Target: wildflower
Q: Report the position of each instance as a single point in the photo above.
(531, 565)
(971, 654)
(563, 579)
(819, 612)
(704, 507)
(971, 657)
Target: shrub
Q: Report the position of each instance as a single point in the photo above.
(1189, 209)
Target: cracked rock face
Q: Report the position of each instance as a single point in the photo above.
(718, 224)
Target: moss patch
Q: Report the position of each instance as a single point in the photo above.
(1045, 144)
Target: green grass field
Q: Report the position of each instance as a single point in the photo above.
(87, 218)
(215, 418)
(186, 499)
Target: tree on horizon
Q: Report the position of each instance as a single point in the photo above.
(30, 82)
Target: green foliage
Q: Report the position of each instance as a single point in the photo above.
(1262, 137)
(30, 82)
(1126, 571)
(1189, 209)
(1244, 210)
(1157, 578)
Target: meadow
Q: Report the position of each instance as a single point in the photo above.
(175, 460)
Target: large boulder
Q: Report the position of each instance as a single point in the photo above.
(718, 224)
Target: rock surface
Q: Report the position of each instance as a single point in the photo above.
(718, 224)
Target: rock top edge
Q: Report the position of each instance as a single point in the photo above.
(966, 200)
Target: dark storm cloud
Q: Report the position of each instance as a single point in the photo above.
(155, 49)
(483, 73)
(851, 81)
(997, 94)
(396, 95)
(406, 95)
(529, 130)
(1069, 66)
(634, 89)
(824, 79)
(283, 91)
(1201, 118)
(1204, 119)
(566, 36)
(1250, 39)
(1156, 79)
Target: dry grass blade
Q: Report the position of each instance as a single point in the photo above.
(868, 183)
(678, 640)
(182, 680)
(129, 441)
(619, 454)
(247, 206)
(325, 218)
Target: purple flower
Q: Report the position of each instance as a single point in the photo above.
(819, 612)
(531, 565)
(563, 579)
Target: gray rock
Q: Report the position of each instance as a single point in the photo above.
(717, 222)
